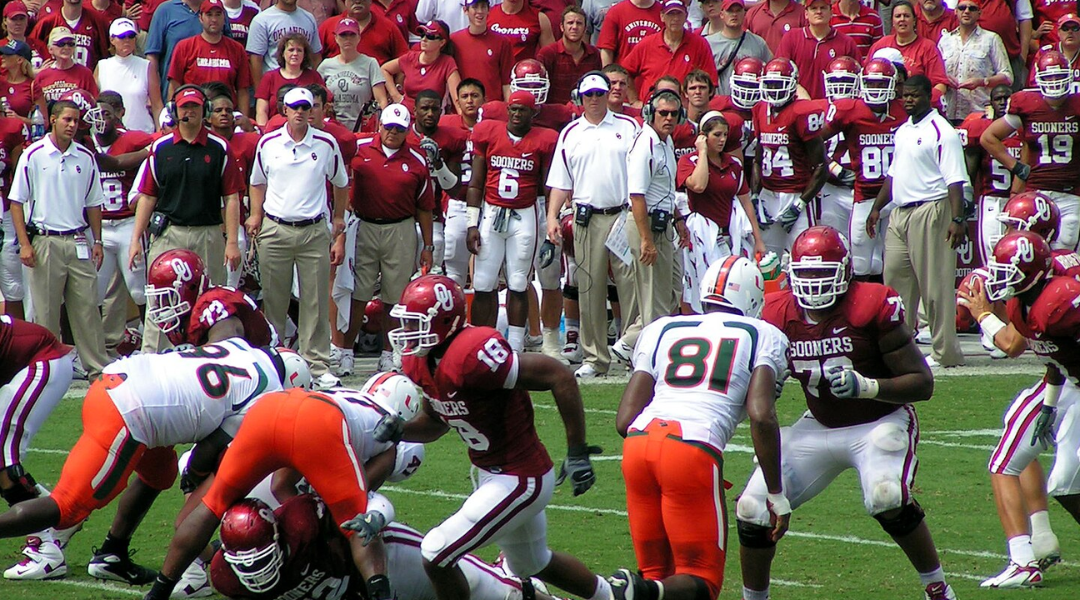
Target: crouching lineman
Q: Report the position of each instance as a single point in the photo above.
(695, 378)
(860, 371)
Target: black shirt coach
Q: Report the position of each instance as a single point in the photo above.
(189, 179)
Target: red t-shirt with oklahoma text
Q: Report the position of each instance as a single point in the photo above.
(197, 61)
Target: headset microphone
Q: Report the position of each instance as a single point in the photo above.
(185, 120)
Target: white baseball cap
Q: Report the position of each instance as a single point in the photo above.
(593, 83)
(298, 95)
(890, 54)
(395, 114)
(122, 26)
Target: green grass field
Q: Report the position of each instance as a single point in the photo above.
(834, 550)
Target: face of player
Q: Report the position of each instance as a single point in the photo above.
(916, 102)
(213, 22)
(716, 139)
(294, 54)
(359, 9)
(63, 50)
(573, 27)
(617, 94)
(478, 15)
(999, 101)
(519, 118)
(221, 114)
(392, 136)
(967, 13)
(427, 113)
(674, 21)
(697, 94)
(903, 21)
(470, 100)
(347, 41)
(65, 125)
(16, 26)
(110, 117)
(818, 13)
(666, 117)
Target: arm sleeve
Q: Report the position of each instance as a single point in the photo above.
(257, 38)
(148, 183)
(316, 43)
(784, 49)
(999, 58)
(646, 349)
(258, 168)
(609, 34)
(94, 194)
(890, 311)
(559, 176)
(638, 168)
(1023, 10)
(179, 61)
(232, 182)
(338, 175)
(953, 165)
(155, 38)
(686, 166)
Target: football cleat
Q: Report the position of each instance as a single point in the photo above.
(534, 343)
(41, 560)
(939, 590)
(1015, 576)
(621, 352)
(325, 382)
(193, 583)
(386, 361)
(587, 371)
(572, 352)
(626, 585)
(111, 567)
(1047, 550)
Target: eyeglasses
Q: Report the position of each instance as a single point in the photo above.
(431, 37)
(300, 106)
(394, 128)
(668, 113)
(1070, 27)
(593, 94)
(130, 35)
(65, 44)
(967, 7)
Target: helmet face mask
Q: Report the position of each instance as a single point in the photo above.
(779, 82)
(251, 546)
(746, 82)
(1053, 75)
(1021, 260)
(842, 79)
(878, 82)
(432, 309)
(531, 76)
(174, 281)
(820, 268)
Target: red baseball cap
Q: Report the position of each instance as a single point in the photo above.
(209, 5)
(436, 28)
(347, 25)
(523, 98)
(730, 3)
(15, 8)
(1069, 18)
(190, 96)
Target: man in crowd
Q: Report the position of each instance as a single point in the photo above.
(455, 251)
(813, 47)
(859, 22)
(483, 54)
(569, 58)
(210, 56)
(729, 41)
(625, 25)
(672, 51)
(771, 19)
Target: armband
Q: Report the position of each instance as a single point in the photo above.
(473, 215)
(1051, 395)
(991, 324)
(445, 177)
(835, 169)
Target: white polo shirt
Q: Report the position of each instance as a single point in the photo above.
(56, 186)
(590, 160)
(650, 167)
(928, 159)
(295, 173)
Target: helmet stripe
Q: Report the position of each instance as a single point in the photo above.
(722, 276)
(378, 381)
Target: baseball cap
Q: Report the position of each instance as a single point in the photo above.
(59, 34)
(811, 2)
(347, 25)
(209, 5)
(672, 5)
(298, 95)
(17, 48)
(190, 96)
(122, 26)
(1069, 18)
(593, 83)
(730, 3)
(468, 3)
(436, 28)
(15, 8)
(395, 114)
(524, 98)
(890, 54)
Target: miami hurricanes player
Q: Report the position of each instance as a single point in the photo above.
(861, 372)
(696, 377)
(1049, 125)
(1040, 315)
(510, 166)
(530, 76)
(789, 167)
(476, 384)
(868, 125)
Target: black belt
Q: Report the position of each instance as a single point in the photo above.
(614, 210)
(300, 223)
(38, 230)
(385, 221)
(917, 204)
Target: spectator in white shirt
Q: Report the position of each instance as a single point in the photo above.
(975, 61)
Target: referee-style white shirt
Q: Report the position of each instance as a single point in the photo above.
(590, 160)
(650, 167)
(928, 159)
(57, 186)
(295, 173)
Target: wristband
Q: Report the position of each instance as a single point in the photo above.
(871, 390)
(473, 215)
(1051, 395)
(991, 325)
(445, 177)
(780, 504)
(835, 169)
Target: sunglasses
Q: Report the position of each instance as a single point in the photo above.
(394, 128)
(967, 7)
(431, 37)
(1070, 27)
(594, 94)
(668, 113)
(65, 44)
(130, 35)
(300, 106)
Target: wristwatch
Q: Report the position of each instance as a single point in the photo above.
(429, 248)
(959, 220)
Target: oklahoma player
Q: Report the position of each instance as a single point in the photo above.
(475, 383)
(860, 371)
(530, 76)
(510, 165)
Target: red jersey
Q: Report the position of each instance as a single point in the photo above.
(549, 116)
(242, 149)
(994, 179)
(117, 184)
(785, 166)
(20, 96)
(380, 39)
(869, 139)
(197, 61)
(453, 144)
(921, 57)
(515, 170)
(23, 343)
(401, 13)
(931, 30)
(318, 562)
(487, 57)
(745, 138)
(1074, 64)
(455, 122)
(848, 336)
(683, 138)
(625, 25)
(1052, 324)
(725, 182)
(219, 303)
(389, 187)
(467, 390)
(51, 83)
(1065, 263)
(240, 25)
(521, 29)
(91, 36)
(1050, 135)
(13, 134)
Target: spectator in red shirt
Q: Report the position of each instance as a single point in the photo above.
(933, 17)
(813, 47)
(431, 67)
(921, 56)
(524, 26)
(106, 10)
(569, 58)
(379, 38)
(1047, 13)
(857, 21)
(674, 51)
(16, 22)
(297, 67)
(402, 13)
(625, 26)
(17, 85)
(484, 55)
(90, 32)
(771, 19)
(1067, 31)
(1008, 20)
(210, 56)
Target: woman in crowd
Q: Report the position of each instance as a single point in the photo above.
(16, 24)
(431, 67)
(355, 78)
(921, 56)
(132, 77)
(297, 67)
(15, 57)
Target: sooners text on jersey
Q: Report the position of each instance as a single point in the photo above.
(514, 169)
(785, 166)
(1051, 135)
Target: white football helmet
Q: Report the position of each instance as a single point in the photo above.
(734, 282)
(395, 393)
(297, 374)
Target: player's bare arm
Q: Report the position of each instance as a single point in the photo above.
(224, 329)
(144, 208)
(474, 199)
(991, 140)
(765, 432)
(637, 395)
(883, 198)
(912, 380)
(815, 154)
(204, 459)
(539, 373)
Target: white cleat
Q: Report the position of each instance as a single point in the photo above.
(1015, 576)
(387, 362)
(587, 371)
(325, 382)
(1047, 550)
(193, 583)
(345, 365)
(621, 352)
(571, 351)
(41, 560)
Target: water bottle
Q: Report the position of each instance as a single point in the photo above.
(4, 106)
(37, 125)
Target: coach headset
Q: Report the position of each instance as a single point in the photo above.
(575, 94)
(171, 106)
(649, 110)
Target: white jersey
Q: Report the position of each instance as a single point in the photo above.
(182, 397)
(362, 414)
(702, 366)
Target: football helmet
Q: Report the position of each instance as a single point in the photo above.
(878, 81)
(746, 82)
(394, 393)
(373, 313)
(432, 309)
(1021, 260)
(820, 268)
(174, 282)
(250, 544)
(531, 76)
(734, 282)
(566, 229)
(88, 109)
(1032, 211)
(1053, 74)
(779, 81)
(842, 78)
(297, 374)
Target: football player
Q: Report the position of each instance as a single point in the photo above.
(695, 379)
(789, 167)
(841, 79)
(455, 254)
(1050, 129)
(745, 93)
(510, 166)
(444, 147)
(476, 384)
(861, 373)
(531, 77)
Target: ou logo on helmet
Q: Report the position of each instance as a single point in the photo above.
(268, 515)
(1042, 208)
(1025, 252)
(444, 296)
(182, 270)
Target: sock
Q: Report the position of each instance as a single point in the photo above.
(1020, 550)
(659, 591)
(932, 577)
(749, 594)
(115, 546)
(653, 590)
(163, 587)
(378, 587)
(603, 589)
(516, 336)
(1040, 523)
(551, 337)
(572, 328)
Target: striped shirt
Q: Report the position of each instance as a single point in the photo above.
(865, 28)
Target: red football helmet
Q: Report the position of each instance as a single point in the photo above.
(531, 76)
(373, 312)
(746, 82)
(1021, 260)
(1053, 74)
(1032, 211)
(842, 78)
(566, 229)
(432, 309)
(88, 109)
(878, 81)
(249, 540)
(820, 268)
(174, 282)
(129, 342)
(779, 81)
(965, 321)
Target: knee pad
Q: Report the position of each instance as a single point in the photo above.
(753, 510)
(612, 294)
(885, 495)
(753, 536)
(570, 292)
(889, 437)
(905, 522)
(432, 544)
(24, 488)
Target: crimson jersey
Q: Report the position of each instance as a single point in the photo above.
(848, 336)
(13, 134)
(521, 29)
(994, 179)
(117, 184)
(470, 389)
(551, 116)
(91, 36)
(219, 303)
(1050, 134)
(456, 122)
(746, 139)
(318, 562)
(1052, 324)
(22, 343)
(1065, 263)
(51, 83)
(785, 166)
(515, 170)
(870, 141)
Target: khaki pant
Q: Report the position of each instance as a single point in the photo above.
(920, 265)
(387, 250)
(208, 242)
(281, 247)
(655, 283)
(61, 278)
(593, 259)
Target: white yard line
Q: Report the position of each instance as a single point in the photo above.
(89, 585)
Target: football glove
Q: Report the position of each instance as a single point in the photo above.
(547, 254)
(1043, 431)
(847, 383)
(431, 149)
(846, 177)
(189, 481)
(578, 468)
(763, 216)
(790, 216)
(367, 525)
(390, 428)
